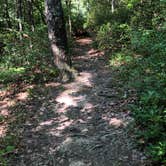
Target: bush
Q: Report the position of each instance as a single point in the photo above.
(147, 75)
(103, 37)
(113, 36)
(148, 42)
(32, 54)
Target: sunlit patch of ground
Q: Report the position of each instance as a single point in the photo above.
(67, 98)
(4, 115)
(3, 130)
(22, 96)
(95, 53)
(84, 41)
(92, 53)
(52, 84)
(9, 98)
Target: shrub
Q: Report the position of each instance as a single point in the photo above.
(147, 75)
(32, 54)
(148, 42)
(113, 36)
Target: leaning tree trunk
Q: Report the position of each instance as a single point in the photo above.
(58, 38)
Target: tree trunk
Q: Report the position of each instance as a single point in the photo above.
(68, 6)
(9, 25)
(112, 6)
(30, 14)
(19, 17)
(58, 38)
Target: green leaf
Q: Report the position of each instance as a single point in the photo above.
(10, 148)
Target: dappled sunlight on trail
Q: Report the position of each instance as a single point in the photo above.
(84, 41)
(67, 98)
(78, 123)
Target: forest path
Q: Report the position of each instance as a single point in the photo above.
(82, 123)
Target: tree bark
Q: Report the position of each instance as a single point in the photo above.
(58, 38)
(9, 24)
(112, 6)
(30, 15)
(68, 6)
(19, 17)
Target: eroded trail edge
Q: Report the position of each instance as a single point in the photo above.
(82, 123)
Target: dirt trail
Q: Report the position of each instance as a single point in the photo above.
(82, 123)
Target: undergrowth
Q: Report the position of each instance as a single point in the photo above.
(146, 73)
(22, 63)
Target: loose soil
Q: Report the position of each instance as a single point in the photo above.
(82, 123)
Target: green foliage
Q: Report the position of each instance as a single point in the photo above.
(103, 39)
(134, 25)
(120, 58)
(147, 75)
(148, 42)
(75, 13)
(10, 74)
(112, 28)
(112, 36)
(98, 15)
(138, 26)
(27, 60)
(158, 151)
(25, 52)
(7, 147)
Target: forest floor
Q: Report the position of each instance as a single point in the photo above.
(82, 123)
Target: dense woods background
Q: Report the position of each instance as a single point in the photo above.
(131, 32)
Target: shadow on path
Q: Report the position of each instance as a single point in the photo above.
(82, 123)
